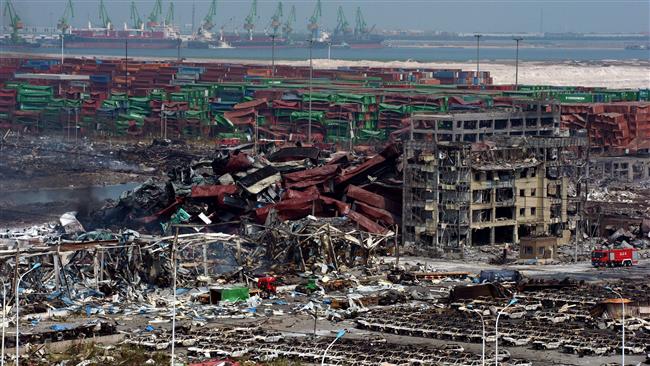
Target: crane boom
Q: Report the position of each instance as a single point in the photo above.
(103, 16)
(276, 20)
(64, 21)
(249, 22)
(155, 15)
(169, 19)
(360, 28)
(16, 23)
(314, 19)
(342, 26)
(136, 21)
(287, 28)
(207, 21)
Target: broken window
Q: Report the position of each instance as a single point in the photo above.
(523, 173)
(533, 211)
(504, 213)
(556, 211)
(481, 236)
(516, 122)
(533, 192)
(485, 124)
(504, 195)
(482, 215)
(540, 251)
(500, 124)
(528, 249)
(522, 212)
(477, 176)
(533, 172)
(504, 234)
(482, 196)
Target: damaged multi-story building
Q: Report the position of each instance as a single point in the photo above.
(491, 185)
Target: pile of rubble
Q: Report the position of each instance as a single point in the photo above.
(291, 183)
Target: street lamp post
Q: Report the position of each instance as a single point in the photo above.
(35, 266)
(311, 76)
(496, 331)
(480, 313)
(622, 322)
(173, 257)
(273, 56)
(517, 39)
(478, 38)
(4, 319)
(339, 335)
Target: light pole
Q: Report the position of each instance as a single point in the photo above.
(4, 319)
(311, 75)
(173, 256)
(339, 335)
(273, 56)
(622, 322)
(480, 313)
(496, 330)
(478, 39)
(35, 266)
(517, 39)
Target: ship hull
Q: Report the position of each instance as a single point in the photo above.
(119, 43)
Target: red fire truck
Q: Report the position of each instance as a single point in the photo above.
(614, 257)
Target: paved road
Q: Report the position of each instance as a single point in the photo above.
(578, 271)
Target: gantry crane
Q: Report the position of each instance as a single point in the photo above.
(287, 28)
(313, 26)
(276, 20)
(103, 16)
(342, 26)
(249, 22)
(155, 15)
(64, 21)
(14, 19)
(136, 21)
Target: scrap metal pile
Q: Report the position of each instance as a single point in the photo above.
(256, 343)
(568, 319)
(235, 187)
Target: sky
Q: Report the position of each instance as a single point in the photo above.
(445, 15)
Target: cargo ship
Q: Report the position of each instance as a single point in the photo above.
(102, 38)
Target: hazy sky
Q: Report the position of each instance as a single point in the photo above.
(450, 15)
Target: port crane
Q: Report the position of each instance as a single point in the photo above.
(342, 26)
(64, 21)
(287, 28)
(136, 21)
(155, 15)
(207, 21)
(249, 22)
(361, 28)
(103, 16)
(314, 19)
(15, 22)
(169, 18)
(276, 19)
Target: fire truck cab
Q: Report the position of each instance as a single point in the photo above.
(614, 257)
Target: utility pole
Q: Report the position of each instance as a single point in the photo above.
(311, 76)
(478, 41)
(517, 39)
